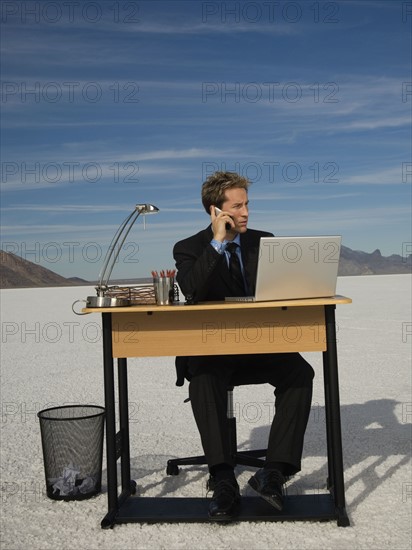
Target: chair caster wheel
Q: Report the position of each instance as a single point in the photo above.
(172, 470)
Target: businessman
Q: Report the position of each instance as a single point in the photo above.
(217, 262)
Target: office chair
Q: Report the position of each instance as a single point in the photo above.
(241, 458)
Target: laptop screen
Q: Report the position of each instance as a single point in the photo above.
(297, 267)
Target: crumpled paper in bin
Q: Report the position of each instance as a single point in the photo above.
(66, 484)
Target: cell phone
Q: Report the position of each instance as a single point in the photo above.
(227, 226)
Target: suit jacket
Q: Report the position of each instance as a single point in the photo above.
(203, 274)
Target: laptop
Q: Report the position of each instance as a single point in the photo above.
(291, 268)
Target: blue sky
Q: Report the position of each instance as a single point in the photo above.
(109, 104)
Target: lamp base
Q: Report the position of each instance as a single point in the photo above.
(106, 301)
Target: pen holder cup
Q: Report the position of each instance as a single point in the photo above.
(164, 290)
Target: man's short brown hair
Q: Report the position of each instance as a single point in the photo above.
(216, 185)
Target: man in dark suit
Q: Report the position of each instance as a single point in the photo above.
(217, 262)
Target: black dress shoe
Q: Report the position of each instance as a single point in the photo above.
(269, 485)
(224, 505)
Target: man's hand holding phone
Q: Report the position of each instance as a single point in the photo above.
(221, 222)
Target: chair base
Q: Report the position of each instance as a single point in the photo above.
(239, 458)
(245, 458)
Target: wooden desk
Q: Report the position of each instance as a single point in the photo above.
(216, 328)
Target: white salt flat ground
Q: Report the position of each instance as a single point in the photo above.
(52, 357)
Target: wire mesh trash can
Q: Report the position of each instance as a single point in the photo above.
(72, 441)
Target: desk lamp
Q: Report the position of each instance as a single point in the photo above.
(103, 299)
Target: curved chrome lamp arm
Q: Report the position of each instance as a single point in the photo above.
(121, 234)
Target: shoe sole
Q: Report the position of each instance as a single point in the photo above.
(253, 484)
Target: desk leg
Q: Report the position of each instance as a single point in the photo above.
(109, 400)
(128, 486)
(332, 407)
(329, 437)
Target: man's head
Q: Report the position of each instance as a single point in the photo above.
(229, 192)
(215, 187)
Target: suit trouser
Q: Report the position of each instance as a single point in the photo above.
(289, 373)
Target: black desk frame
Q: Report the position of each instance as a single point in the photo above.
(126, 507)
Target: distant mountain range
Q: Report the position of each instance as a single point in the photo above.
(16, 272)
(355, 262)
